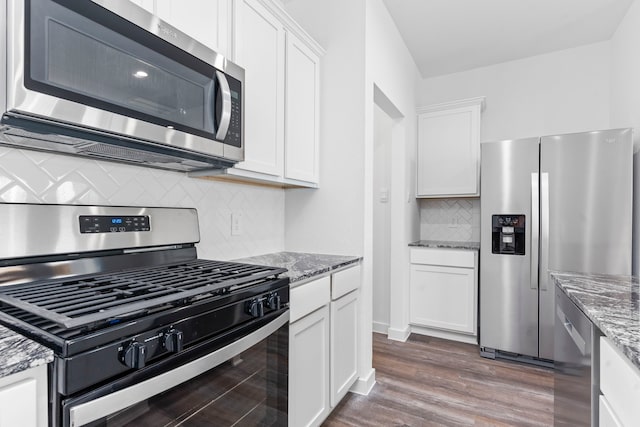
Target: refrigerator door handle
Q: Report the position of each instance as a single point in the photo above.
(535, 229)
(544, 227)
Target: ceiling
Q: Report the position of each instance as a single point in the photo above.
(448, 36)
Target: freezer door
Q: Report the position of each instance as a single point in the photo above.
(508, 282)
(585, 205)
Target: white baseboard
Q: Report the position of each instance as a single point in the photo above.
(363, 385)
(399, 334)
(380, 327)
(448, 335)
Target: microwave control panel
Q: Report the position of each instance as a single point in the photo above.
(234, 134)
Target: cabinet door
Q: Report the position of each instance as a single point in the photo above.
(309, 369)
(23, 398)
(259, 42)
(606, 416)
(619, 383)
(302, 105)
(145, 4)
(18, 404)
(448, 152)
(443, 297)
(204, 20)
(344, 345)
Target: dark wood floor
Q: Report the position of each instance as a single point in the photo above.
(433, 382)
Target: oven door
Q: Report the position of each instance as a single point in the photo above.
(122, 71)
(242, 383)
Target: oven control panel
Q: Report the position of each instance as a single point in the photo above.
(113, 224)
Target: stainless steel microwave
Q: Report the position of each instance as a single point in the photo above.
(106, 79)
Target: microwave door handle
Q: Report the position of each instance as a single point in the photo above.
(225, 116)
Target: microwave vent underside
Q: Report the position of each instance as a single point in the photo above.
(122, 153)
(100, 147)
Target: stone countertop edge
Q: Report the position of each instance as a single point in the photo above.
(18, 353)
(611, 303)
(444, 244)
(301, 266)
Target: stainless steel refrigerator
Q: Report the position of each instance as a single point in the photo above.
(560, 203)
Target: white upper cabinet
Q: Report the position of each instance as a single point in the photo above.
(149, 5)
(302, 104)
(259, 41)
(282, 77)
(205, 20)
(449, 149)
(282, 83)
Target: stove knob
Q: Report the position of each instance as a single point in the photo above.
(273, 302)
(135, 355)
(255, 308)
(173, 340)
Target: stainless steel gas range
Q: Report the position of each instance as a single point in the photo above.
(143, 332)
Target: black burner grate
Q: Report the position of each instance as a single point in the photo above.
(80, 301)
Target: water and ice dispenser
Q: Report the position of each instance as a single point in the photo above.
(507, 234)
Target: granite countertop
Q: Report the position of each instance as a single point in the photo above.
(474, 246)
(18, 353)
(300, 265)
(611, 303)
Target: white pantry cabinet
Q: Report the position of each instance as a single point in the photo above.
(23, 398)
(443, 293)
(449, 149)
(322, 345)
(620, 388)
(282, 103)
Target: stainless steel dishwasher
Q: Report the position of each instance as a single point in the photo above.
(576, 376)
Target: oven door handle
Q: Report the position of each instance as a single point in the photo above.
(93, 410)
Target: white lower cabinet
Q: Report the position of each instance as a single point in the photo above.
(23, 398)
(309, 353)
(606, 416)
(444, 292)
(620, 388)
(323, 339)
(344, 345)
(344, 331)
(309, 369)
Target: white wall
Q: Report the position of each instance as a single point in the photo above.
(391, 82)
(35, 177)
(329, 219)
(381, 274)
(560, 92)
(625, 100)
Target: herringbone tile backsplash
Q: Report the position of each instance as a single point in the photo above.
(450, 219)
(35, 177)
